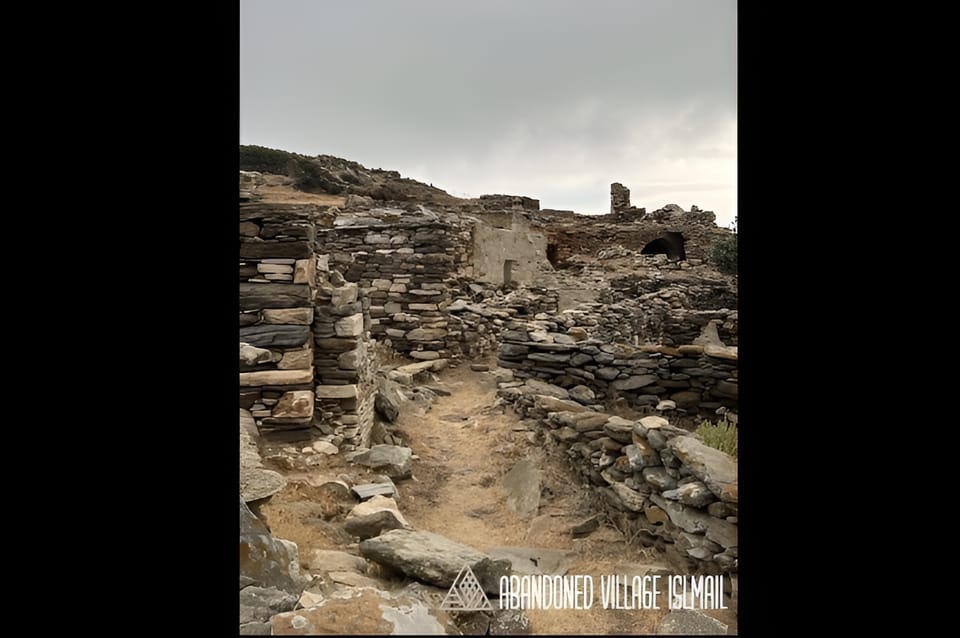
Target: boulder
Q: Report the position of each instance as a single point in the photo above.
(433, 559)
(522, 485)
(266, 561)
(583, 394)
(388, 400)
(370, 518)
(258, 604)
(717, 470)
(393, 460)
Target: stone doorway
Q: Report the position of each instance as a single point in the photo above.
(671, 245)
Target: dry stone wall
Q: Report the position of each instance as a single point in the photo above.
(277, 289)
(698, 378)
(674, 492)
(405, 264)
(344, 363)
(576, 235)
(304, 343)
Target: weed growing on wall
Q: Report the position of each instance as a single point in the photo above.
(721, 435)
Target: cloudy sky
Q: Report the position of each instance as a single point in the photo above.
(550, 99)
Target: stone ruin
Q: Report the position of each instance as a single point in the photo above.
(323, 289)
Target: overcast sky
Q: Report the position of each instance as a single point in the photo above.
(550, 99)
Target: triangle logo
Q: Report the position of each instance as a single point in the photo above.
(466, 594)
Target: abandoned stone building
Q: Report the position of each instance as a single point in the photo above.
(585, 314)
(320, 285)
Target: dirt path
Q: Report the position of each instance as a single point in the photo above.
(465, 446)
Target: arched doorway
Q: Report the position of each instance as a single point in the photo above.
(671, 245)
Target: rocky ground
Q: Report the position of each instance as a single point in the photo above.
(476, 484)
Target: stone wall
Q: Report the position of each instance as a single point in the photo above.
(344, 363)
(570, 235)
(658, 310)
(277, 289)
(516, 255)
(405, 263)
(699, 379)
(482, 312)
(620, 200)
(663, 485)
(305, 358)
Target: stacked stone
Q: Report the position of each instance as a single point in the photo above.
(699, 379)
(672, 486)
(589, 234)
(277, 287)
(406, 265)
(669, 313)
(343, 361)
(499, 203)
(619, 198)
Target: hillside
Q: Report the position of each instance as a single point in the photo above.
(326, 174)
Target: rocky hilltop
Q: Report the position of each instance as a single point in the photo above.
(337, 176)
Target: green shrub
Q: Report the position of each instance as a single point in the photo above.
(723, 254)
(307, 174)
(264, 160)
(722, 435)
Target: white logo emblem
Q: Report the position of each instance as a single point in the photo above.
(466, 594)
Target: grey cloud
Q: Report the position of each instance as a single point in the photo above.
(560, 96)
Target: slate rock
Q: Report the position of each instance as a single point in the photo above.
(433, 559)
(258, 604)
(393, 460)
(277, 336)
(266, 561)
(522, 485)
(717, 470)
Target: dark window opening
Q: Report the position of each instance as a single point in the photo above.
(671, 245)
(552, 254)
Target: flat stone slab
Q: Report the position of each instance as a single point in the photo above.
(535, 560)
(522, 485)
(433, 559)
(275, 335)
(718, 470)
(277, 377)
(368, 490)
(536, 386)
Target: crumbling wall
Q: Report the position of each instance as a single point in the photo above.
(659, 310)
(344, 363)
(277, 288)
(699, 379)
(664, 486)
(502, 256)
(304, 355)
(406, 265)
